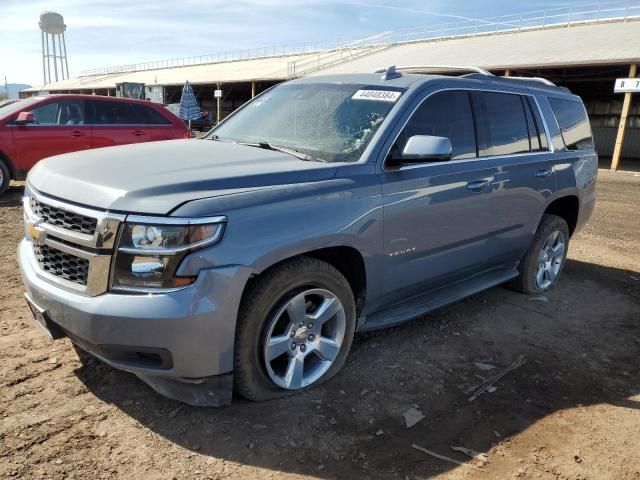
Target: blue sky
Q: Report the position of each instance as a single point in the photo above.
(114, 32)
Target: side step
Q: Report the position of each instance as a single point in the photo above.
(417, 306)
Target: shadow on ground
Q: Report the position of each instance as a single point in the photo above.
(582, 344)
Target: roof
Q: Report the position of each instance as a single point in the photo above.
(577, 45)
(588, 43)
(267, 68)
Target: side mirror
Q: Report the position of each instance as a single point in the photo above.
(25, 118)
(426, 148)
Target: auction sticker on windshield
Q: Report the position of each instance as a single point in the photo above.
(378, 95)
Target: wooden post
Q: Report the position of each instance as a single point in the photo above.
(218, 106)
(253, 89)
(626, 104)
(507, 72)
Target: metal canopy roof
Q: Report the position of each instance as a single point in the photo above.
(588, 43)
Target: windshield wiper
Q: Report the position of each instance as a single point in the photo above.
(289, 151)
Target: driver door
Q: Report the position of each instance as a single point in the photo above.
(437, 220)
(58, 127)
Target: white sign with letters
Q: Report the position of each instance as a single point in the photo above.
(217, 93)
(376, 95)
(627, 85)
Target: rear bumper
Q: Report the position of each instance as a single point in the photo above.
(180, 343)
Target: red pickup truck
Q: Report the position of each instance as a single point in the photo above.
(40, 127)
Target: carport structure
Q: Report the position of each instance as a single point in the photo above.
(583, 47)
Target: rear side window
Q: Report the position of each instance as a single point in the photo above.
(573, 123)
(148, 116)
(502, 124)
(112, 113)
(536, 127)
(445, 114)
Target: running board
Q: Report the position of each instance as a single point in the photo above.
(417, 306)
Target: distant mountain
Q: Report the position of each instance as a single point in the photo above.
(13, 88)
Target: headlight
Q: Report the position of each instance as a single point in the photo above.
(151, 249)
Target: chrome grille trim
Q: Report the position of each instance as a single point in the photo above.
(96, 249)
(104, 235)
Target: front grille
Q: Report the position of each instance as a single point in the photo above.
(62, 264)
(63, 218)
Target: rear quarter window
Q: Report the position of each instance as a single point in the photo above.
(149, 116)
(573, 122)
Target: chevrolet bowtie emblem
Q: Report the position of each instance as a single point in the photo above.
(36, 233)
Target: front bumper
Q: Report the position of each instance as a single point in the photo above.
(180, 343)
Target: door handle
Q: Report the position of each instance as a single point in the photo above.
(477, 185)
(543, 173)
(138, 133)
(78, 133)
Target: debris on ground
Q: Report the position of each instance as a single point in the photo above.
(444, 457)
(482, 458)
(518, 362)
(484, 366)
(412, 416)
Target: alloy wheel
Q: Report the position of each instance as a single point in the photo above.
(304, 338)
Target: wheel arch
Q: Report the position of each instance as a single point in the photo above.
(7, 161)
(347, 259)
(566, 207)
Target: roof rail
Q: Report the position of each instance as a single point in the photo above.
(479, 70)
(533, 79)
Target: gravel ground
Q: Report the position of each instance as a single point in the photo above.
(572, 411)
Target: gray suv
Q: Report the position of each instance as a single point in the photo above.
(326, 205)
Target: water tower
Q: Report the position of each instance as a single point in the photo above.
(54, 47)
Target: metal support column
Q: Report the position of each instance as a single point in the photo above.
(218, 106)
(253, 89)
(507, 73)
(622, 127)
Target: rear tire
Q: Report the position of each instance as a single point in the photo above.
(5, 177)
(543, 263)
(270, 326)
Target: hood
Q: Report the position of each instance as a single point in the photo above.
(156, 177)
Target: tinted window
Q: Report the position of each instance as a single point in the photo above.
(573, 123)
(537, 127)
(502, 124)
(148, 116)
(112, 113)
(62, 112)
(445, 114)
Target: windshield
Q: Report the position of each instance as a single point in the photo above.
(19, 106)
(329, 122)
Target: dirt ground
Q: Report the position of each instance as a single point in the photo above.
(572, 411)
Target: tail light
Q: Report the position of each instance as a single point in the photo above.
(186, 134)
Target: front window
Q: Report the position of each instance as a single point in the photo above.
(328, 122)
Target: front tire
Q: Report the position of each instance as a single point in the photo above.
(5, 177)
(543, 263)
(295, 329)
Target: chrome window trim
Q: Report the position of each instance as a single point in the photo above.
(549, 150)
(146, 125)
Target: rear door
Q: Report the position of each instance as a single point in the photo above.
(115, 123)
(59, 127)
(438, 223)
(511, 134)
(156, 125)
